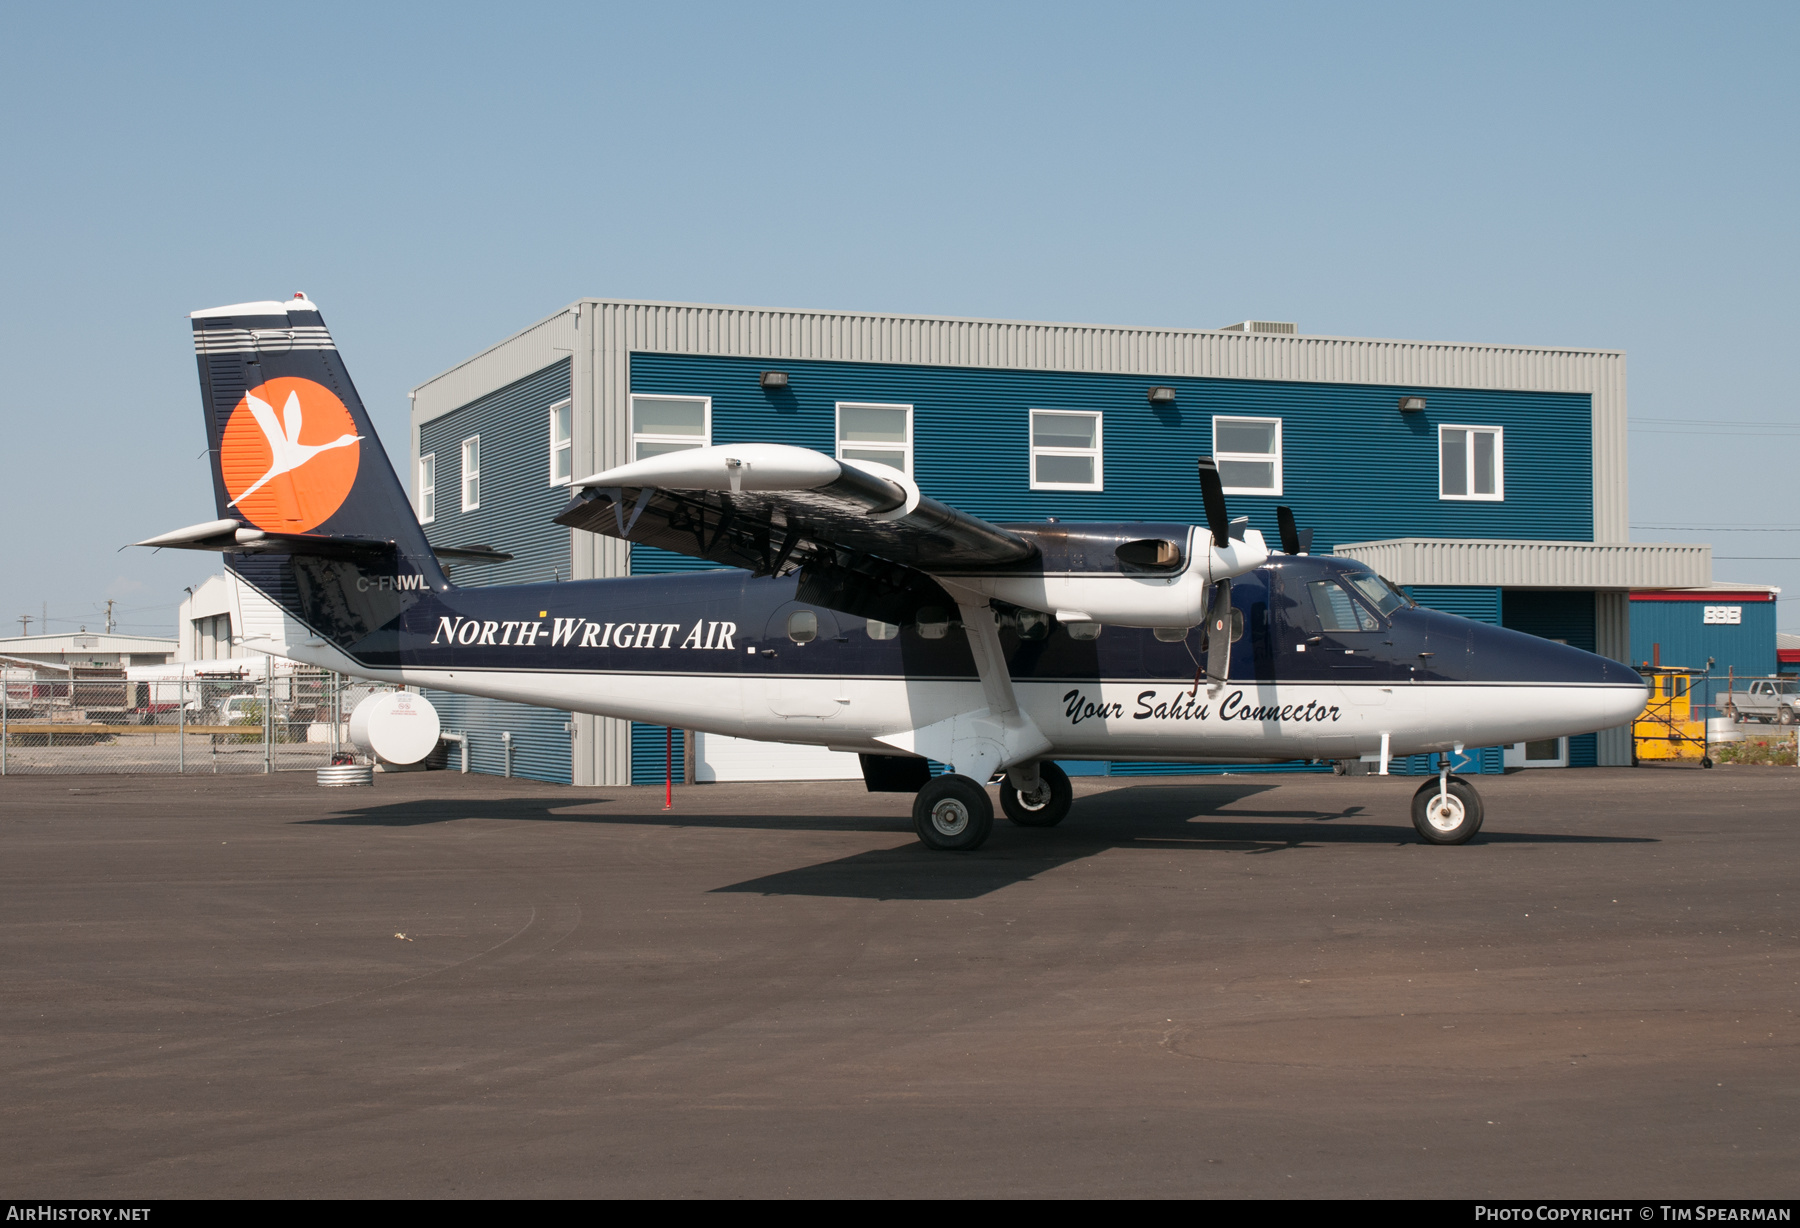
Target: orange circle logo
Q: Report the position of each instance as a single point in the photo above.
(289, 455)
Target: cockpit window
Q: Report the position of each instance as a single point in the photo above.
(1382, 595)
(1337, 610)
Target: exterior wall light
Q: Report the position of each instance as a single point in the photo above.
(1162, 395)
(773, 379)
(1412, 405)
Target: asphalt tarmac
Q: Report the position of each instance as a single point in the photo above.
(1221, 986)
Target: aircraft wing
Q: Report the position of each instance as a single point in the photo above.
(866, 537)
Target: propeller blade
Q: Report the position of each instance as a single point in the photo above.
(1212, 497)
(1290, 532)
(1294, 540)
(1218, 634)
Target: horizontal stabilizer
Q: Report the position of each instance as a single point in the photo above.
(237, 538)
(470, 554)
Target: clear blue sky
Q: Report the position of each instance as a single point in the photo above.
(438, 176)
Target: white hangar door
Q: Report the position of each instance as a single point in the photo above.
(717, 757)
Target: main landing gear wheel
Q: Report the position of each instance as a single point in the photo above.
(1453, 820)
(953, 814)
(1047, 806)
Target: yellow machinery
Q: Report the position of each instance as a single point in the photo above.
(1666, 729)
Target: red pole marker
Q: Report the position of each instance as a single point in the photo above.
(669, 783)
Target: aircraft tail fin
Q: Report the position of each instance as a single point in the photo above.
(311, 513)
(293, 449)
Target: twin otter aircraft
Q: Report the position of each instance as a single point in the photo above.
(853, 611)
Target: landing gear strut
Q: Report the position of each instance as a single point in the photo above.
(953, 814)
(1447, 810)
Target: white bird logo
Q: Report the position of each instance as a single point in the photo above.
(285, 448)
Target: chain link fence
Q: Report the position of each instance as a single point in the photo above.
(204, 717)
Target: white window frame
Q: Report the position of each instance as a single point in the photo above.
(567, 445)
(428, 488)
(471, 474)
(1250, 456)
(837, 430)
(1098, 451)
(637, 437)
(1499, 433)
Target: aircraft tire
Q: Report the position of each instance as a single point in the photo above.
(1050, 810)
(953, 814)
(1456, 827)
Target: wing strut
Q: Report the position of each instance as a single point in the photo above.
(991, 738)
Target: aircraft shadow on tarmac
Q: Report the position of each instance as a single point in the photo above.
(1171, 817)
(1200, 818)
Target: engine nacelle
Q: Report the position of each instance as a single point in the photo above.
(1088, 574)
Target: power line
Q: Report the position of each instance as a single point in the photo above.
(1715, 422)
(1722, 528)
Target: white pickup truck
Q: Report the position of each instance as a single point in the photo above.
(1765, 700)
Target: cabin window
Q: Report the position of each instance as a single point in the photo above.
(1065, 451)
(428, 488)
(1337, 610)
(1471, 464)
(1248, 453)
(471, 473)
(803, 626)
(669, 424)
(562, 443)
(878, 433)
(879, 630)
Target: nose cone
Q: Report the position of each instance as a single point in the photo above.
(1624, 691)
(1584, 691)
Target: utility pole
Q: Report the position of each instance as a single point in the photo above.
(24, 625)
(109, 620)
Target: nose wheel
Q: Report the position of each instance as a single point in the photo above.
(1447, 812)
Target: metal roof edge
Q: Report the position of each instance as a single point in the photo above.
(500, 344)
(1143, 329)
(1286, 338)
(1518, 541)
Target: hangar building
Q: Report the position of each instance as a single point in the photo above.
(1489, 479)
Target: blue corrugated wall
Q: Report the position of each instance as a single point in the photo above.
(517, 504)
(1355, 467)
(650, 758)
(1687, 640)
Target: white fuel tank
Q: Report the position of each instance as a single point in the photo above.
(399, 726)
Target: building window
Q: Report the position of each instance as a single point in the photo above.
(1065, 451)
(669, 424)
(428, 488)
(1471, 464)
(879, 433)
(471, 473)
(1248, 453)
(562, 443)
